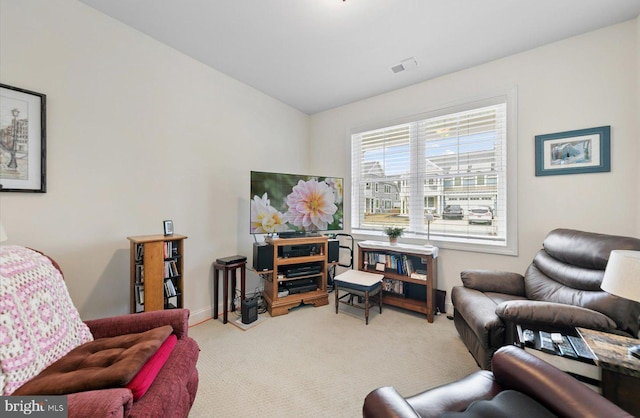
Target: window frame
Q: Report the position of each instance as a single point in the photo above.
(510, 244)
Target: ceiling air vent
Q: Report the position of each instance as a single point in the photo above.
(407, 64)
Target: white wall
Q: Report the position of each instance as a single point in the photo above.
(582, 82)
(136, 133)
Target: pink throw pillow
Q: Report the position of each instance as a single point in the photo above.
(145, 377)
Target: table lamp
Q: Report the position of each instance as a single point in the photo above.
(622, 278)
(428, 217)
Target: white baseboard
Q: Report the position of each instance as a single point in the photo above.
(201, 315)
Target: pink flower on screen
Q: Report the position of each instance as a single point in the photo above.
(311, 205)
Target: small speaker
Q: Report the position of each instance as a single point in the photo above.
(249, 308)
(333, 251)
(262, 256)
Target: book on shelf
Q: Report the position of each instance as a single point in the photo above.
(169, 288)
(170, 249)
(402, 264)
(139, 294)
(170, 269)
(393, 286)
(139, 273)
(139, 252)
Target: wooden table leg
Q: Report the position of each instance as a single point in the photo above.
(215, 292)
(225, 296)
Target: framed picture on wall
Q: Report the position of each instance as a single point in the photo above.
(574, 152)
(22, 140)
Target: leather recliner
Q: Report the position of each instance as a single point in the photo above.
(559, 290)
(520, 385)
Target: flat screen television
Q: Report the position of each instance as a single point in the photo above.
(295, 204)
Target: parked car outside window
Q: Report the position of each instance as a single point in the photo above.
(452, 212)
(480, 215)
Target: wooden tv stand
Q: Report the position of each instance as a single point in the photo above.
(284, 258)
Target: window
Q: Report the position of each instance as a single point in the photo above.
(441, 162)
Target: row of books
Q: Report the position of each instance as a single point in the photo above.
(139, 253)
(170, 249)
(170, 269)
(393, 286)
(169, 288)
(399, 263)
(139, 273)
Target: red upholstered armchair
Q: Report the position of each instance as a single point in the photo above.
(42, 324)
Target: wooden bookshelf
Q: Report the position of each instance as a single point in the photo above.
(156, 272)
(398, 263)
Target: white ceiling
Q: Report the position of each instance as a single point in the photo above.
(319, 54)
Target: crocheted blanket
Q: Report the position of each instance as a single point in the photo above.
(38, 322)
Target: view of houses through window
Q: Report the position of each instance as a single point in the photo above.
(451, 165)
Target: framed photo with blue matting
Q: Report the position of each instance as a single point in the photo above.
(574, 152)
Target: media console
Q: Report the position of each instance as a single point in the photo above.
(298, 274)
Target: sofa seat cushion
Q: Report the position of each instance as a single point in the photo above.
(100, 364)
(506, 404)
(38, 322)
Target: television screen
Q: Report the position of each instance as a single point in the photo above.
(291, 203)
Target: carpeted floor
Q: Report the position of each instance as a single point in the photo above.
(314, 363)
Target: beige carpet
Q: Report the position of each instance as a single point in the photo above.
(314, 363)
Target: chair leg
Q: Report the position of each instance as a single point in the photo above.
(366, 308)
(335, 290)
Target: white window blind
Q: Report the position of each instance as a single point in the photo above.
(451, 163)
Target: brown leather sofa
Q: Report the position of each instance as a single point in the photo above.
(520, 385)
(559, 290)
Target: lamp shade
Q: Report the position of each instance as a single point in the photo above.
(622, 275)
(3, 235)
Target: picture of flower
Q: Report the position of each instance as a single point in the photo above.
(295, 203)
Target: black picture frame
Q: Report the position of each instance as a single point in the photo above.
(574, 152)
(167, 227)
(23, 138)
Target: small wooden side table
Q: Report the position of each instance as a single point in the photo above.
(226, 268)
(620, 370)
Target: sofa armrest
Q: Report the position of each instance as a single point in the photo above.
(100, 403)
(140, 322)
(494, 281)
(455, 396)
(386, 402)
(565, 396)
(557, 315)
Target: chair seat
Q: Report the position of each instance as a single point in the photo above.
(359, 283)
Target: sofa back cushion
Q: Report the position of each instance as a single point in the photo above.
(570, 268)
(38, 322)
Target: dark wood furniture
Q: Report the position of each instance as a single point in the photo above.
(228, 273)
(418, 289)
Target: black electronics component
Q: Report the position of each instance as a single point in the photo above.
(333, 251)
(299, 250)
(298, 286)
(249, 308)
(262, 257)
(299, 270)
(231, 260)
